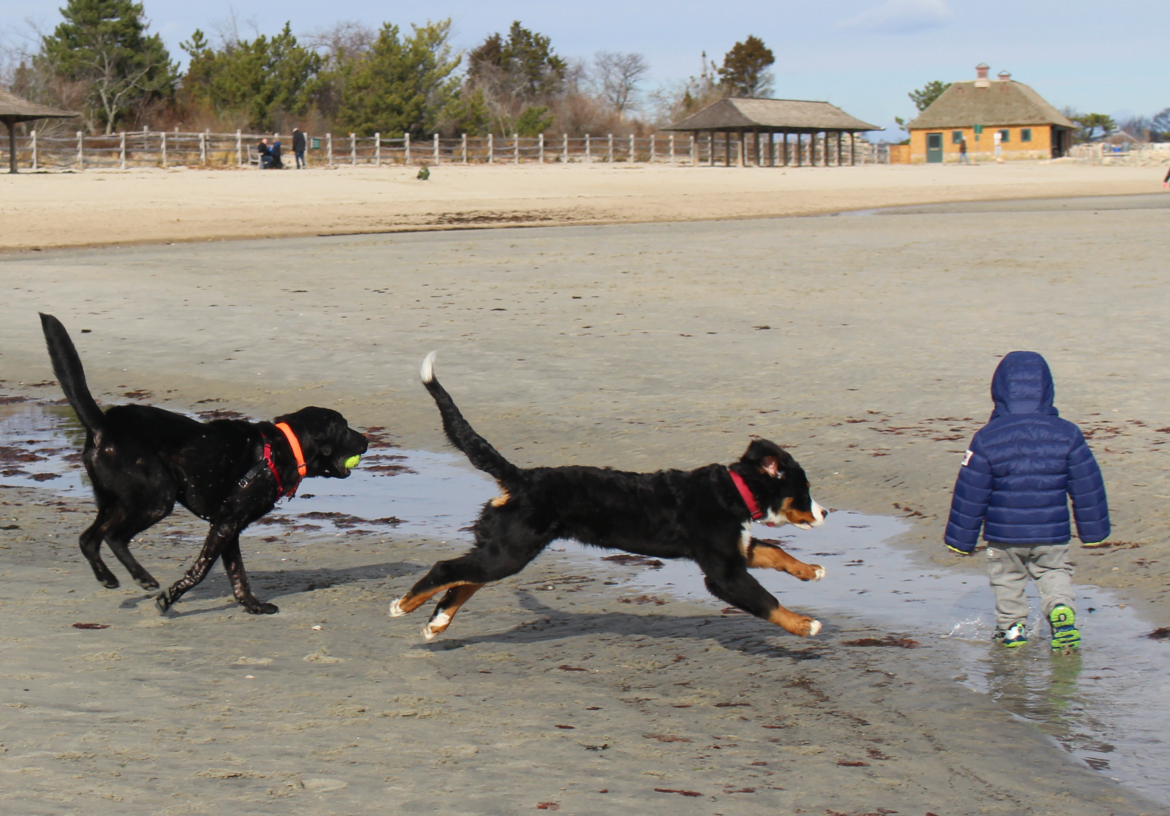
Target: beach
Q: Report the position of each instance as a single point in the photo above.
(649, 325)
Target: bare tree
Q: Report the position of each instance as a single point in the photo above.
(616, 77)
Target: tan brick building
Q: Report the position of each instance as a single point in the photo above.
(1027, 126)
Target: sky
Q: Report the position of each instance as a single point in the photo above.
(862, 55)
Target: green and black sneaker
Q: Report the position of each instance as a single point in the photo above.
(1013, 637)
(1065, 637)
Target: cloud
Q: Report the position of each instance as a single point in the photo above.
(901, 17)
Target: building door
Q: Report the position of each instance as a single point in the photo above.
(934, 148)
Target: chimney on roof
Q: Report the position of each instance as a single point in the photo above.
(1004, 76)
(981, 80)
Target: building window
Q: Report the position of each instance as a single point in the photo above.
(1026, 134)
(956, 136)
(1005, 135)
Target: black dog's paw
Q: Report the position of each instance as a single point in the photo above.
(149, 583)
(111, 582)
(163, 600)
(263, 609)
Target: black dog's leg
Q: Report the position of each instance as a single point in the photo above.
(213, 547)
(233, 563)
(732, 583)
(119, 535)
(91, 545)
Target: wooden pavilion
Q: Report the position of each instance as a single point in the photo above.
(13, 109)
(772, 118)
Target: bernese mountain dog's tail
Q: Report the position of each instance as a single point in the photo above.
(477, 449)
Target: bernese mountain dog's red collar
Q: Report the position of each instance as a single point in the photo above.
(746, 494)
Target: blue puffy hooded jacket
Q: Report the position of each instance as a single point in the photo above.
(1024, 465)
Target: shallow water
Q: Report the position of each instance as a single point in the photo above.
(1107, 706)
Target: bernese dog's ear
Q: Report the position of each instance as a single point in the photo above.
(771, 466)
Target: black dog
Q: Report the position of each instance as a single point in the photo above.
(704, 515)
(141, 460)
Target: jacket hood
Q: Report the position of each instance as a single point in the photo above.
(1022, 385)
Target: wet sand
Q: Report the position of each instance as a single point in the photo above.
(865, 345)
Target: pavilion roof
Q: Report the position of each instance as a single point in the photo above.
(796, 115)
(14, 109)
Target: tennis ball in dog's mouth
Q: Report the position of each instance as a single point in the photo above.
(352, 462)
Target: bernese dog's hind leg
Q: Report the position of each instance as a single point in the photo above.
(760, 554)
(446, 608)
(733, 584)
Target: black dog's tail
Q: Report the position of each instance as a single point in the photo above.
(67, 367)
(477, 449)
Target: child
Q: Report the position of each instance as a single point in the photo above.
(1015, 483)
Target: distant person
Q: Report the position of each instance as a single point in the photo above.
(299, 147)
(265, 153)
(276, 163)
(963, 159)
(997, 140)
(1016, 480)
(1166, 181)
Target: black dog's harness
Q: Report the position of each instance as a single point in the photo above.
(744, 493)
(266, 462)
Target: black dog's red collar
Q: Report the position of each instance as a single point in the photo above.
(745, 494)
(266, 454)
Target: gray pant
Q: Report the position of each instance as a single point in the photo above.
(1009, 568)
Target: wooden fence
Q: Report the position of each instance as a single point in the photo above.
(143, 149)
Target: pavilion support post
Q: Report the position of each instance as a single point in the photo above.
(742, 151)
(771, 148)
(727, 148)
(785, 154)
(11, 145)
(711, 148)
(694, 154)
(852, 149)
(34, 151)
(759, 155)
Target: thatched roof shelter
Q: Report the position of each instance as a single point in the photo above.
(771, 117)
(13, 109)
(991, 103)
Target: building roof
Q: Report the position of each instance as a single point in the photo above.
(787, 114)
(992, 103)
(14, 109)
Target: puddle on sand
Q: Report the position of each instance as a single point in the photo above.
(1106, 706)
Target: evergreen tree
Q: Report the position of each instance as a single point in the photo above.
(924, 97)
(743, 72)
(526, 61)
(257, 80)
(403, 84)
(103, 44)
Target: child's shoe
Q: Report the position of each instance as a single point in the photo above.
(1065, 637)
(1013, 637)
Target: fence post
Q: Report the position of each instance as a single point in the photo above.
(163, 134)
(541, 148)
(631, 148)
(653, 138)
(588, 153)
(491, 148)
(329, 147)
(353, 150)
(672, 148)
(122, 150)
(34, 149)
(377, 150)
(239, 148)
(610, 139)
(565, 149)
(464, 147)
(515, 148)
(436, 149)
(203, 149)
(80, 147)
(406, 143)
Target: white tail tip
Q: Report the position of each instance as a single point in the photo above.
(427, 372)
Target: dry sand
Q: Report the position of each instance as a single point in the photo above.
(865, 345)
(125, 207)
